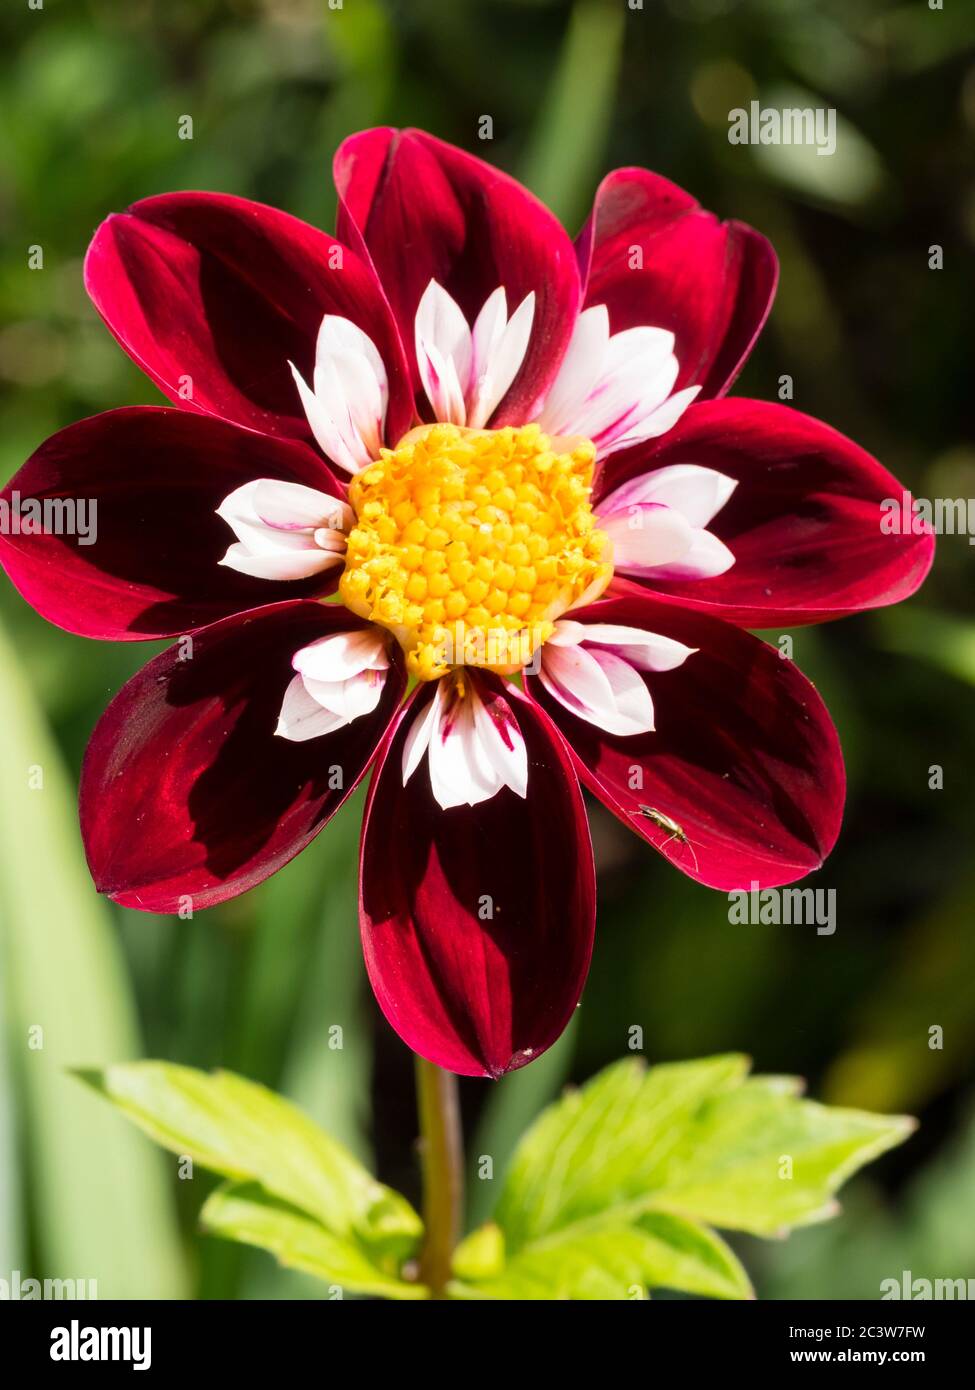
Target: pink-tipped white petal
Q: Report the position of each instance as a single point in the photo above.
(597, 687)
(706, 558)
(281, 565)
(632, 705)
(648, 651)
(330, 434)
(303, 717)
(466, 373)
(658, 421)
(501, 742)
(579, 372)
(500, 345)
(339, 678)
(488, 332)
(593, 669)
(418, 738)
(294, 507)
(615, 388)
(645, 536)
(444, 353)
(441, 384)
(348, 699)
(474, 747)
(346, 403)
(697, 493)
(348, 363)
(284, 530)
(644, 518)
(341, 655)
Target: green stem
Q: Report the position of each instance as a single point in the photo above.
(442, 1159)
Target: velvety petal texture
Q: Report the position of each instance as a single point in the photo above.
(213, 296)
(744, 758)
(803, 522)
(477, 922)
(654, 257)
(428, 211)
(155, 478)
(186, 791)
(293, 358)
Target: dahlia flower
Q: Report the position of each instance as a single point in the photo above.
(452, 498)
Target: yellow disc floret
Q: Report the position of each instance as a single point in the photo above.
(469, 544)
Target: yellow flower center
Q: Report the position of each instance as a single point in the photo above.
(469, 544)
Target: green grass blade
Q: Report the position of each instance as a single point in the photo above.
(98, 1192)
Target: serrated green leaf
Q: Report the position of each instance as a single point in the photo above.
(245, 1212)
(762, 1161)
(621, 1259)
(614, 1186)
(247, 1133)
(600, 1146)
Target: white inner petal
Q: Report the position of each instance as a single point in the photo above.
(697, 493)
(465, 374)
(615, 389)
(346, 403)
(338, 678)
(473, 748)
(284, 530)
(341, 655)
(645, 537)
(593, 670)
(657, 523)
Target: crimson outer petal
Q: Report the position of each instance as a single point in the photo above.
(427, 210)
(185, 789)
(156, 477)
(478, 996)
(745, 758)
(223, 292)
(711, 283)
(803, 524)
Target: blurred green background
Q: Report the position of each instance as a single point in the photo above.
(877, 343)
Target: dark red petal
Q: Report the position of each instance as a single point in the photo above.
(427, 210)
(475, 994)
(156, 477)
(804, 523)
(711, 283)
(187, 795)
(745, 758)
(223, 292)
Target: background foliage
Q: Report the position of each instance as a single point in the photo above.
(91, 93)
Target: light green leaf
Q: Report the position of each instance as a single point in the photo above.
(247, 1133)
(245, 1212)
(622, 1259)
(615, 1185)
(599, 1146)
(762, 1161)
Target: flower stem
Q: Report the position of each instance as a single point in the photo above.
(442, 1159)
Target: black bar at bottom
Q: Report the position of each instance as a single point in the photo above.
(292, 1338)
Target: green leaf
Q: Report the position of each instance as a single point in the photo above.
(248, 1134)
(98, 1197)
(613, 1188)
(245, 1212)
(621, 1258)
(597, 1147)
